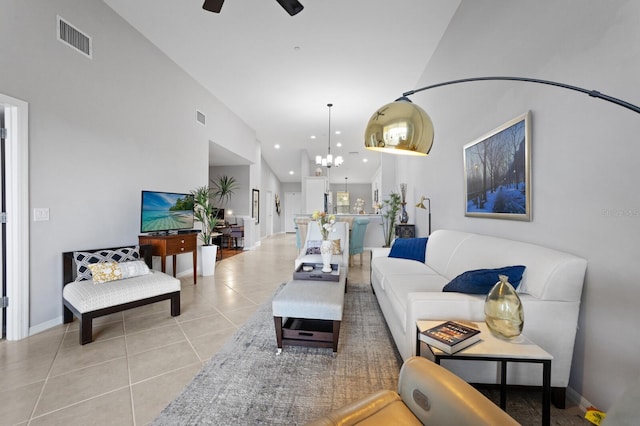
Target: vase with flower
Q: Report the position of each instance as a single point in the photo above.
(325, 223)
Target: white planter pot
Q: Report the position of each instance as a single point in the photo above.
(208, 259)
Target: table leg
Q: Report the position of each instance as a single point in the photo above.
(195, 266)
(278, 324)
(336, 335)
(174, 265)
(546, 393)
(503, 385)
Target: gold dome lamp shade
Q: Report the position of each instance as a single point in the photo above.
(401, 127)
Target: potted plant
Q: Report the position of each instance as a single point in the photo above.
(223, 188)
(390, 209)
(205, 213)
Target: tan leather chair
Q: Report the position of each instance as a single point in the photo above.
(427, 394)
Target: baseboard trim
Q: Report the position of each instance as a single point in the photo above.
(45, 326)
(578, 399)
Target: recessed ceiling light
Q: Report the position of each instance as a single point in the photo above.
(290, 172)
(339, 144)
(313, 136)
(364, 160)
(277, 146)
(338, 132)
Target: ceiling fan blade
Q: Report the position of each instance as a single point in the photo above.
(291, 6)
(213, 5)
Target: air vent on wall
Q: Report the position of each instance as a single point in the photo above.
(73, 37)
(202, 119)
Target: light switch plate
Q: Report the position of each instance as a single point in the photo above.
(40, 214)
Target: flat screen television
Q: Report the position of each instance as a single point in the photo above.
(163, 212)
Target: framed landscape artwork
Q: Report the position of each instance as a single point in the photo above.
(255, 204)
(497, 172)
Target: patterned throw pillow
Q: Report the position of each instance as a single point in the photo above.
(105, 271)
(313, 247)
(83, 259)
(110, 271)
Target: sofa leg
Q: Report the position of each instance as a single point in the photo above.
(559, 397)
(86, 329)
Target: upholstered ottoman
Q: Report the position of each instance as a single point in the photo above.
(308, 313)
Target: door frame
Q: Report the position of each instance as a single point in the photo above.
(17, 229)
(269, 213)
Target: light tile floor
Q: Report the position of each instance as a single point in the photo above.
(141, 359)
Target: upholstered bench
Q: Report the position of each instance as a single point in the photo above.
(309, 313)
(87, 299)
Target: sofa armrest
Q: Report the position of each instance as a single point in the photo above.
(436, 396)
(380, 251)
(382, 407)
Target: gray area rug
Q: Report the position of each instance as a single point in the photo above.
(247, 383)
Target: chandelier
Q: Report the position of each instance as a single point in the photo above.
(329, 161)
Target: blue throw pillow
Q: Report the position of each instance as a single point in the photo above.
(409, 248)
(481, 281)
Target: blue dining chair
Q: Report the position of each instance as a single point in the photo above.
(298, 239)
(356, 241)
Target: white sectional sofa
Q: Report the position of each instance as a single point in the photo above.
(550, 290)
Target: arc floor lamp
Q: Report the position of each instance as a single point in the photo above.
(401, 127)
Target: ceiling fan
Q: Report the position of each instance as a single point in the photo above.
(291, 6)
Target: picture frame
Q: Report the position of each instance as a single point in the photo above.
(497, 172)
(255, 204)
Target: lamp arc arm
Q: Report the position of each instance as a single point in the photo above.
(592, 93)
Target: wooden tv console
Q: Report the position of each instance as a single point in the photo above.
(172, 245)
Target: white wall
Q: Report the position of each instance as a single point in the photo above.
(101, 130)
(585, 153)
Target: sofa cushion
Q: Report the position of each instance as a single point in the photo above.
(481, 281)
(86, 296)
(384, 267)
(409, 248)
(400, 286)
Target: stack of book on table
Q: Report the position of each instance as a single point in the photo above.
(450, 336)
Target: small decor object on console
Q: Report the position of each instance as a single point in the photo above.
(450, 336)
(503, 309)
(404, 216)
(325, 223)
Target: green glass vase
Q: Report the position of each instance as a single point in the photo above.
(503, 309)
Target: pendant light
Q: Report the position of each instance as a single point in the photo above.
(329, 161)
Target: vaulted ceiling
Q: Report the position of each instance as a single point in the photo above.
(278, 72)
